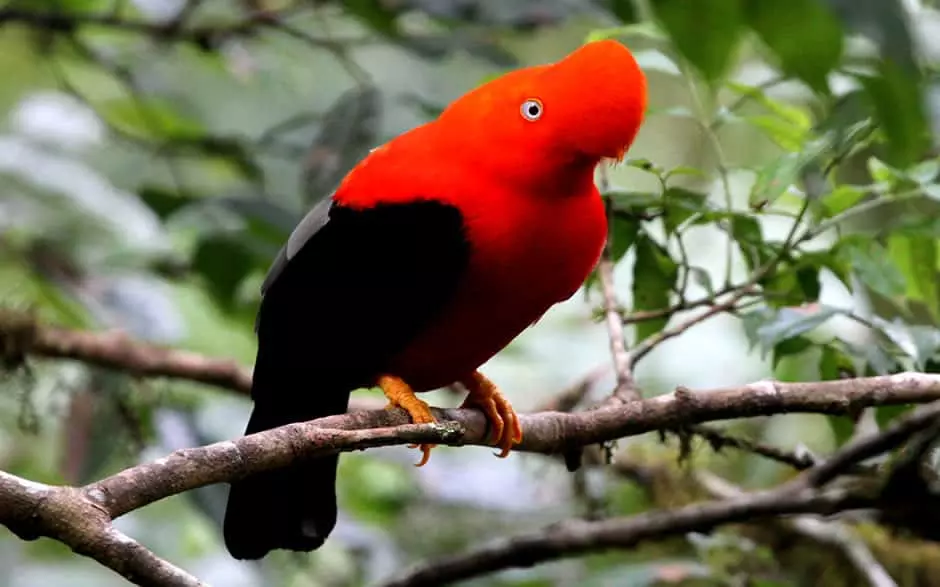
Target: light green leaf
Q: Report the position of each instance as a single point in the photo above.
(792, 115)
(781, 132)
(767, 327)
(841, 199)
(916, 256)
(652, 60)
(873, 266)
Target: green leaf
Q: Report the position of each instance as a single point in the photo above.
(842, 427)
(624, 10)
(776, 178)
(916, 256)
(654, 276)
(897, 98)
(223, 260)
(705, 33)
(873, 266)
(918, 342)
(924, 172)
(680, 204)
(884, 415)
(703, 279)
(792, 115)
(634, 201)
(789, 347)
(804, 35)
(841, 199)
(746, 231)
(883, 173)
(166, 202)
(833, 363)
(652, 60)
(623, 234)
(768, 327)
(149, 118)
(781, 132)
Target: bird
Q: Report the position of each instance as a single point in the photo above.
(433, 253)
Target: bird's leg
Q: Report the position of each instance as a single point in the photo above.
(400, 395)
(485, 396)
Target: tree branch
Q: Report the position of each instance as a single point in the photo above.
(548, 432)
(575, 537)
(31, 510)
(22, 336)
(804, 495)
(623, 363)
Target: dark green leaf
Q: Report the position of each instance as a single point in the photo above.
(166, 202)
(634, 201)
(705, 33)
(808, 278)
(897, 97)
(789, 347)
(884, 415)
(680, 204)
(224, 261)
(842, 427)
(747, 233)
(623, 234)
(833, 364)
(804, 34)
(884, 22)
(654, 276)
(624, 10)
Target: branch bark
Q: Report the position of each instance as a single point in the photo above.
(576, 537)
(31, 510)
(805, 494)
(548, 432)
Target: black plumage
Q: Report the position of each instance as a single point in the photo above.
(348, 291)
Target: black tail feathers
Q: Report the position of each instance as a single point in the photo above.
(293, 508)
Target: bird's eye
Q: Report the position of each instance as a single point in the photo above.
(531, 109)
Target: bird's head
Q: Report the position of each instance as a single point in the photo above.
(584, 108)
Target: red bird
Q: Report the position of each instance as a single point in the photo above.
(435, 252)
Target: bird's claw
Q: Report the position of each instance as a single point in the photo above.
(400, 395)
(504, 422)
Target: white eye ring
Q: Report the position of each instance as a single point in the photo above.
(531, 109)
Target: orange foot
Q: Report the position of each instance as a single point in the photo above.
(485, 396)
(400, 395)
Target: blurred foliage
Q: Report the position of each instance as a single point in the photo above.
(155, 154)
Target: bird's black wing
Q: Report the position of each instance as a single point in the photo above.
(349, 290)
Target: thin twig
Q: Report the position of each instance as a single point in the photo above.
(626, 386)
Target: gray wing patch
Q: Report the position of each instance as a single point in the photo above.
(315, 219)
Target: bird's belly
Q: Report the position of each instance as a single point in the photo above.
(469, 332)
(489, 311)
